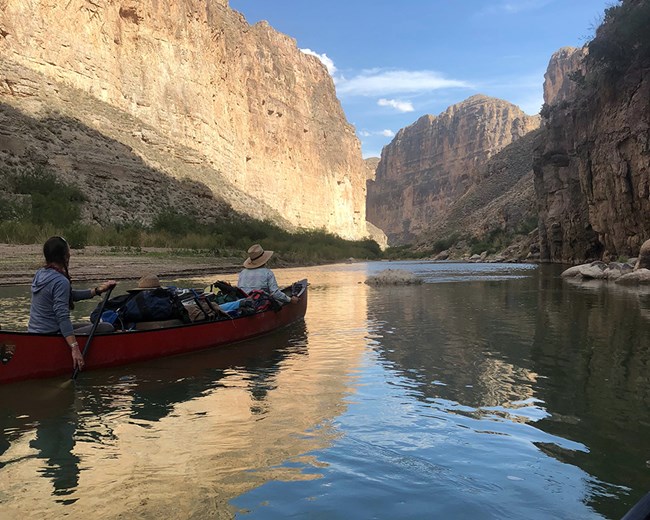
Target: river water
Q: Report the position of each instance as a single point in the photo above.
(489, 391)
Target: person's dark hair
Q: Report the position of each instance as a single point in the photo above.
(55, 250)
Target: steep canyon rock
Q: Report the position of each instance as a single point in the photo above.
(592, 168)
(256, 115)
(558, 85)
(501, 201)
(433, 162)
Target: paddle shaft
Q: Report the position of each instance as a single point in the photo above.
(94, 328)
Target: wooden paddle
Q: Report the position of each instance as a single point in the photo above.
(94, 328)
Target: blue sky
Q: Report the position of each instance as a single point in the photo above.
(395, 60)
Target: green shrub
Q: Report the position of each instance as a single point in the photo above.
(56, 210)
(445, 243)
(21, 232)
(408, 252)
(53, 201)
(622, 38)
(77, 235)
(526, 226)
(492, 242)
(13, 207)
(174, 222)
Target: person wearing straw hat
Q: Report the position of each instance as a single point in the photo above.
(256, 275)
(148, 282)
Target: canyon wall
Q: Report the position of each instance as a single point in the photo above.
(592, 167)
(501, 202)
(433, 162)
(257, 116)
(564, 63)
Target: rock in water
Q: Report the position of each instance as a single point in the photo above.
(394, 277)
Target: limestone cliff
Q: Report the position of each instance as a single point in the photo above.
(128, 171)
(433, 162)
(564, 63)
(254, 114)
(371, 167)
(592, 167)
(502, 201)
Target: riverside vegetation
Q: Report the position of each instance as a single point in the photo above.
(37, 205)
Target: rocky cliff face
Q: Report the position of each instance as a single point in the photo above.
(433, 162)
(241, 100)
(592, 168)
(501, 201)
(371, 167)
(564, 63)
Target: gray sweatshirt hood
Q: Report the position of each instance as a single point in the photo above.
(42, 278)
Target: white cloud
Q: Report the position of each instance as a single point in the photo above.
(326, 60)
(377, 82)
(401, 106)
(385, 133)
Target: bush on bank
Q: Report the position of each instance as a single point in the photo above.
(50, 207)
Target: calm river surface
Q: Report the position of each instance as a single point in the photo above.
(488, 392)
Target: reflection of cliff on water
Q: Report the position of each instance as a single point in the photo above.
(163, 383)
(580, 354)
(181, 437)
(591, 342)
(464, 342)
(635, 293)
(150, 390)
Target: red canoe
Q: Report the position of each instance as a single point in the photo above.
(32, 356)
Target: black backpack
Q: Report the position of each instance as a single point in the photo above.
(153, 305)
(226, 293)
(114, 304)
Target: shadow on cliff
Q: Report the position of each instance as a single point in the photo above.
(504, 195)
(121, 184)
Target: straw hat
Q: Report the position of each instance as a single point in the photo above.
(257, 257)
(146, 283)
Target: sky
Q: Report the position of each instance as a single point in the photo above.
(394, 61)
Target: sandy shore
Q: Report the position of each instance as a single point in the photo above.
(19, 262)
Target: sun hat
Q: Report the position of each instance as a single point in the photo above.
(257, 257)
(146, 283)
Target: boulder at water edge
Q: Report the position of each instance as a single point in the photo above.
(643, 261)
(636, 277)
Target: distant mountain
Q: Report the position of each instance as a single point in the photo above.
(499, 210)
(434, 162)
(371, 167)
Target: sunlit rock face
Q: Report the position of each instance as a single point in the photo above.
(243, 98)
(371, 167)
(592, 168)
(434, 161)
(558, 85)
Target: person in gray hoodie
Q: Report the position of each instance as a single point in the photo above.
(53, 298)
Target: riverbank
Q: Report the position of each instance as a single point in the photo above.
(19, 262)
